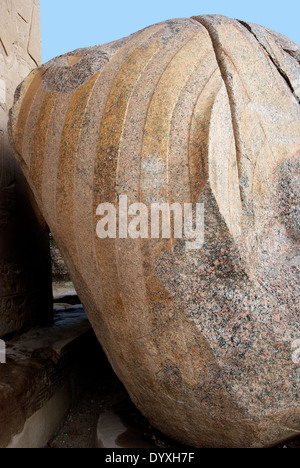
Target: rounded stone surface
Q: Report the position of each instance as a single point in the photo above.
(202, 110)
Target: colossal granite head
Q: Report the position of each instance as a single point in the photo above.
(202, 110)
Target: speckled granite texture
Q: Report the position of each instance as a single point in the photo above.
(190, 110)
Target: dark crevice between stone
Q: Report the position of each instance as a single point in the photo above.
(295, 54)
(273, 59)
(226, 77)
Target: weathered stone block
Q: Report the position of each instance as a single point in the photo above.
(25, 272)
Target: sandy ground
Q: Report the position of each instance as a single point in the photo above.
(79, 428)
(105, 393)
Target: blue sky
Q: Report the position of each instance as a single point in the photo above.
(70, 24)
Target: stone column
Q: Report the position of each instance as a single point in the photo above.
(25, 270)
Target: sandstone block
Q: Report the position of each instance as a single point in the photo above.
(25, 271)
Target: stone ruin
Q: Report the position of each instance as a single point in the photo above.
(25, 278)
(39, 358)
(201, 110)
